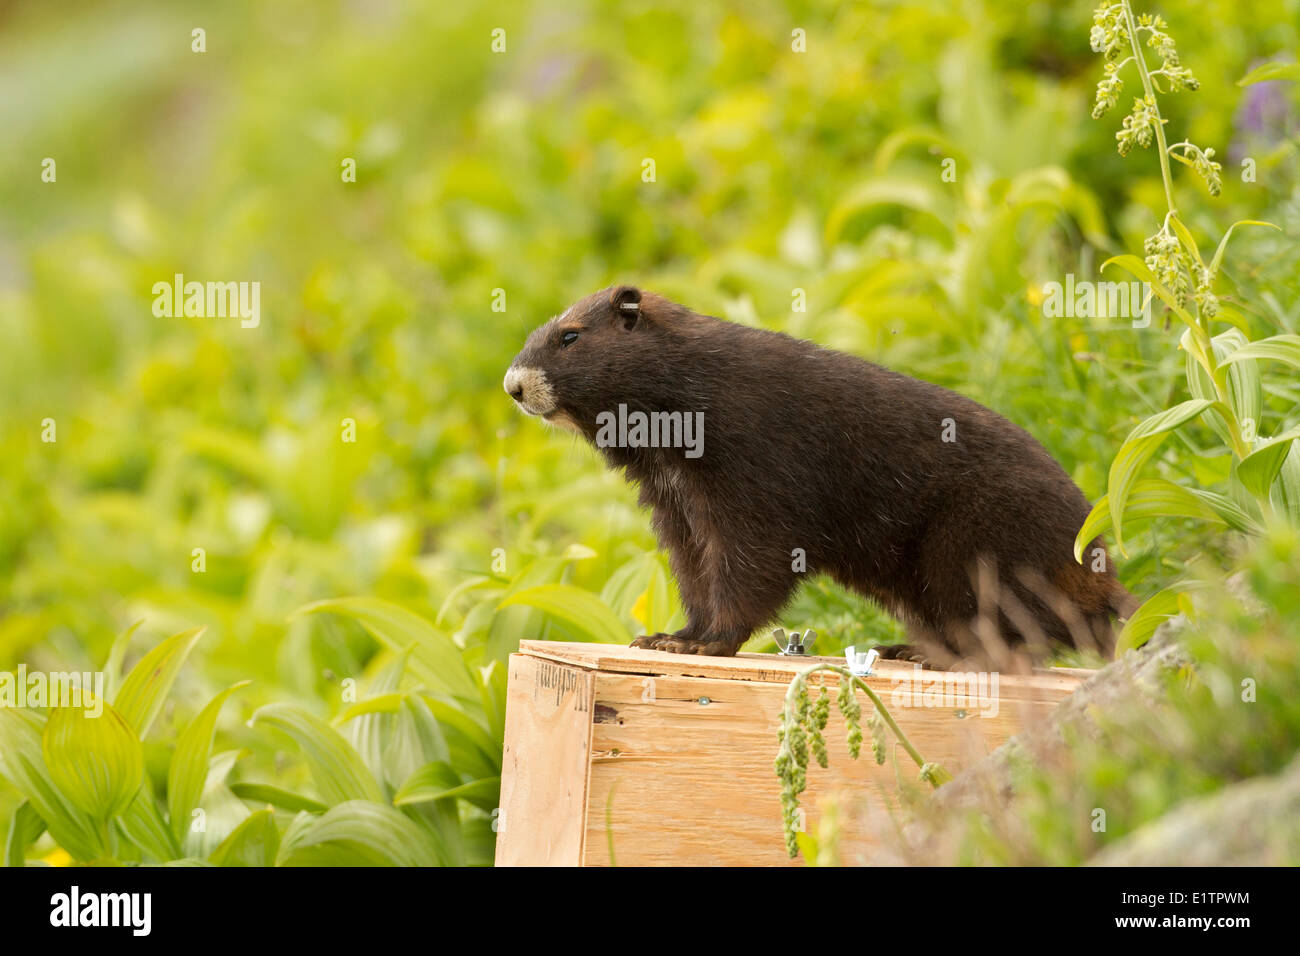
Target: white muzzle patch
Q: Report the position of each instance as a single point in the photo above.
(530, 390)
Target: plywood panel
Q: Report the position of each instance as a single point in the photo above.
(615, 754)
(678, 781)
(771, 668)
(545, 763)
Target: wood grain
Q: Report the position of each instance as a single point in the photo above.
(545, 763)
(691, 783)
(773, 668)
(671, 761)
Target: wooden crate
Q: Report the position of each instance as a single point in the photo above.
(668, 759)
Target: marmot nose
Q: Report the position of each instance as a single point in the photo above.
(514, 384)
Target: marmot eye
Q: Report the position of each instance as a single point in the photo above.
(568, 338)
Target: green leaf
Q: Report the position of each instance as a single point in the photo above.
(1229, 512)
(358, 833)
(142, 694)
(1285, 494)
(221, 764)
(509, 624)
(462, 726)
(232, 449)
(438, 781)
(893, 144)
(438, 660)
(368, 733)
(576, 551)
(1278, 348)
(1185, 236)
(116, 654)
(184, 861)
(1157, 498)
(189, 766)
(255, 842)
(492, 688)
(284, 799)
(24, 829)
(1271, 71)
(475, 583)
(1137, 449)
(142, 823)
(581, 615)
(379, 704)
(1258, 469)
(1234, 317)
(340, 773)
(655, 608)
(887, 191)
(639, 592)
(415, 740)
(1223, 243)
(95, 761)
(23, 764)
(471, 760)
(1154, 611)
(808, 847)
(1245, 387)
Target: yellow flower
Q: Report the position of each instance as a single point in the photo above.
(57, 857)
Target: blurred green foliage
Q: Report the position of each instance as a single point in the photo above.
(1233, 717)
(521, 171)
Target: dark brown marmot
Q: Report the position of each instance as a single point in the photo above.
(790, 458)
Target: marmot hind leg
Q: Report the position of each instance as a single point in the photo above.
(924, 646)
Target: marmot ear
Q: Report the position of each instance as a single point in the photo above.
(625, 300)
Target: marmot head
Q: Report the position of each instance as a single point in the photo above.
(603, 350)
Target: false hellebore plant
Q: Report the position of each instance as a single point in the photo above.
(1222, 367)
(803, 722)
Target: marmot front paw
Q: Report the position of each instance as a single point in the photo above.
(676, 644)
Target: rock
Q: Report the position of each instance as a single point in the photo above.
(1252, 823)
(1137, 678)
(1134, 680)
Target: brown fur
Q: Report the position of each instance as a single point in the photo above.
(808, 448)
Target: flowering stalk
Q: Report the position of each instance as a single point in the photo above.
(802, 726)
(1171, 254)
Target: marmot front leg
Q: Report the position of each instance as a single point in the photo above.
(685, 559)
(695, 640)
(731, 601)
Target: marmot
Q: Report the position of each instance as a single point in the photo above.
(785, 458)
